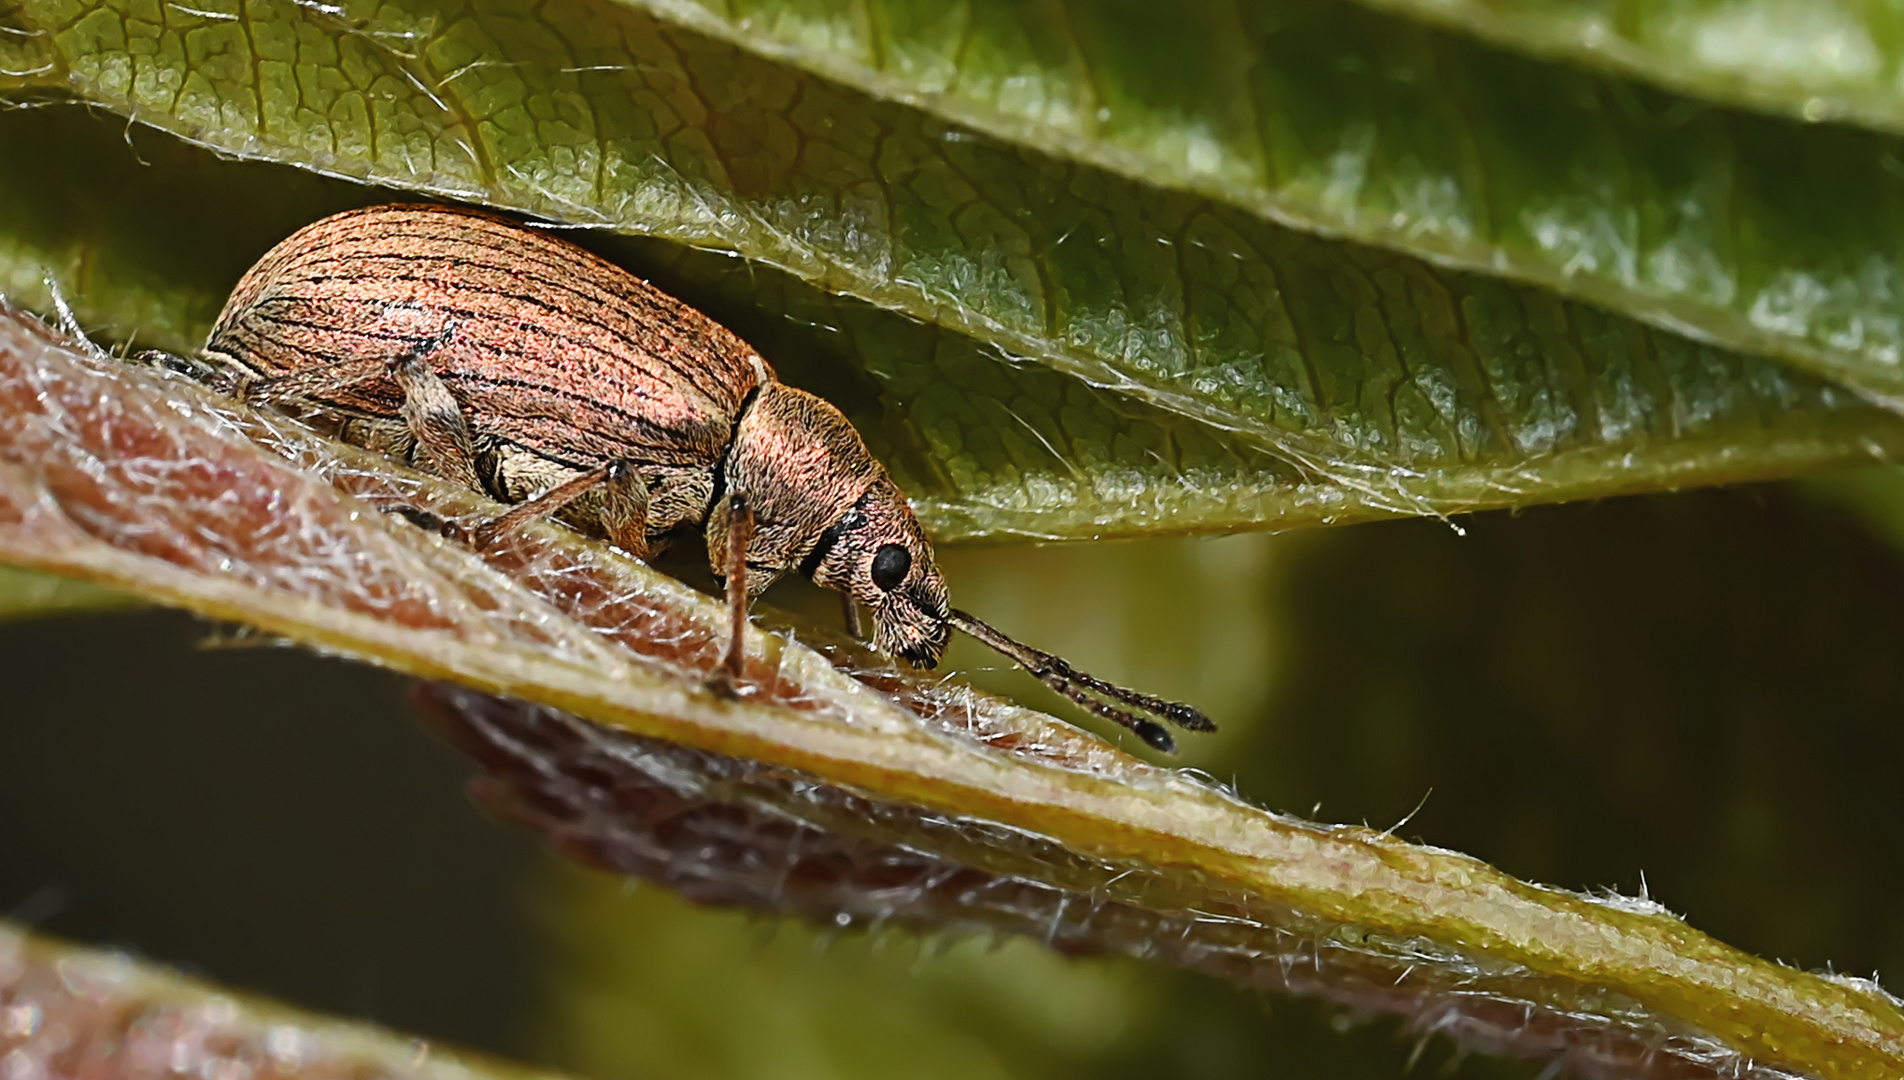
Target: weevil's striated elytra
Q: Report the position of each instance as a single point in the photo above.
(530, 369)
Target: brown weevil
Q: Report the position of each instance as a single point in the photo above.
(501, 357)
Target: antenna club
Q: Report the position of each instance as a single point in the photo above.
(1123, 705)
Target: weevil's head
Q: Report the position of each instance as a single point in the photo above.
(877, 554)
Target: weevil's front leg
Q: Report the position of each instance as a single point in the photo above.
(740, 532)
(849, 612)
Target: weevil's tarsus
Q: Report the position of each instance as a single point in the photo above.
(725, 679)
(421, 518)
(194, 368)
(1122, 707)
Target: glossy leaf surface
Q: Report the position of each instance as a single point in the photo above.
(1445, 391)
(1814, 59)
(1766, 234)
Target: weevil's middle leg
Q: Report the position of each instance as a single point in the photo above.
(740, 531)
(624, 513)
(624, 507)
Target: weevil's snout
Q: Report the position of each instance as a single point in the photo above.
(880, 557)
(907, 627)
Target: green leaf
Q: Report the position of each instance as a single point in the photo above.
(656, 985)
(25, 594)
(1445, 391)
(1378, 382)
(1767, 235)
(1812, 59)
(155, 486)
(1876, 496)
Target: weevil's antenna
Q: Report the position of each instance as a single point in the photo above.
(1079, 687)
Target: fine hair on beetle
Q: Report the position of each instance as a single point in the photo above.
(529, 369)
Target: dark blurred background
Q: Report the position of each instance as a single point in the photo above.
(1694, 694)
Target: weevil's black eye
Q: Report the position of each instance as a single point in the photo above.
(891, 564)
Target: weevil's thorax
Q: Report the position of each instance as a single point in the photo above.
(800, 464)
(824, 505)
